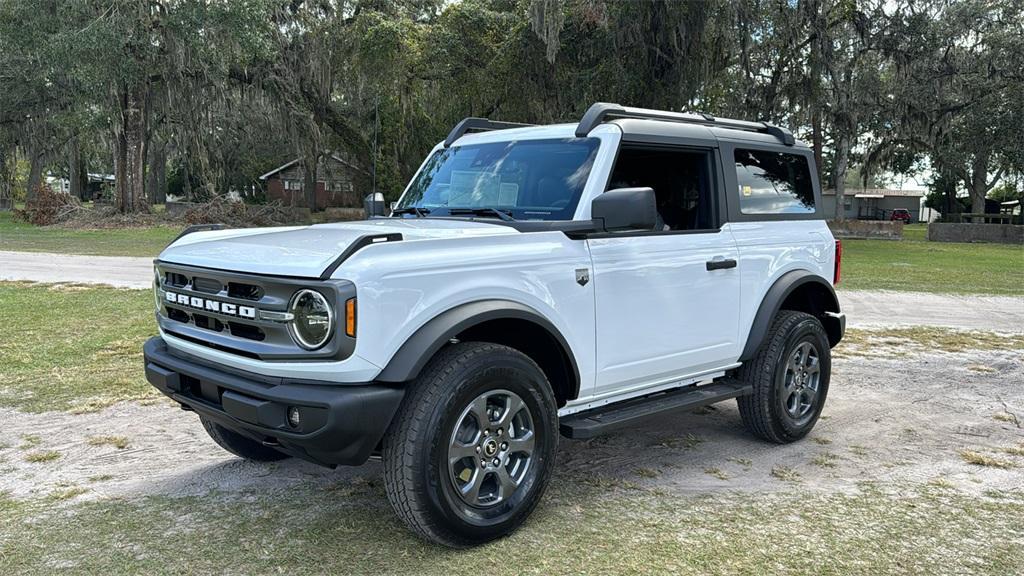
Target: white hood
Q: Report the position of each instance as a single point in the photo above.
(306, 251)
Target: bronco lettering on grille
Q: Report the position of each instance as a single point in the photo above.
(225, 308)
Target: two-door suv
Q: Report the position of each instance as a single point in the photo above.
(531, 281)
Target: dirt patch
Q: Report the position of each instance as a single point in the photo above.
(891, 421)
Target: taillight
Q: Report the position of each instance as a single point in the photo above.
(839, 261)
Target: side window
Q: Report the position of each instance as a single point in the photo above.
(773, 183)
(681, 181)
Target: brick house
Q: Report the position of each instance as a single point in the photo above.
(336, 184)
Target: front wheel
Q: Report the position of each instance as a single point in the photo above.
(789, 376)
(470, 451)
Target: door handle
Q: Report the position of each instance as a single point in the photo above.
(721, 264)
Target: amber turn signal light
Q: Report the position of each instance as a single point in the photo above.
(350, 317)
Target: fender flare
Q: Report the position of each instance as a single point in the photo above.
(772, 302)
(419, 348)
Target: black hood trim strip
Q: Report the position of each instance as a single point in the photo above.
(356, 246)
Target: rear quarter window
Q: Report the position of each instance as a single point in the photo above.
(773, 182)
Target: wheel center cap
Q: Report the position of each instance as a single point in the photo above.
(490, 447)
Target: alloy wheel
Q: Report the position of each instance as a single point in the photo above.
(491, 448)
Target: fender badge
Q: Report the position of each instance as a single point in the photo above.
(582, 276)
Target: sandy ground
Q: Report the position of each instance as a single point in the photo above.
(119, 271)
(887, 420)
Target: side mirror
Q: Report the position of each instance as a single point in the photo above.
(373, 204)
(625, 209)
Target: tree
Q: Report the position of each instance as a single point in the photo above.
(956, 93)
(846, 45)
(209, 95)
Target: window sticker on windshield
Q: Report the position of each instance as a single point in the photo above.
(747, 190)
(508, 194)
(471, 188)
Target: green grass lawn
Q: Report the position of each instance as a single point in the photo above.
(933, 267)
(19, 236)
(72, 347)
(916, 231)
(580, 529)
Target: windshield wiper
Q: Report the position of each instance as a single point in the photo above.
(419, 212)
(502, 214)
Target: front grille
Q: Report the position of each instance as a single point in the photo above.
(176, 280)
(246, 331)
(178, 315)
(207, 323)
(207, 285)
(244, 291)
(222, 310)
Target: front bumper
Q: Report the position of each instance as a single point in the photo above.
(340, 424)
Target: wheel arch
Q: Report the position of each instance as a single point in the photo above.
(498, 321)
(802, 291)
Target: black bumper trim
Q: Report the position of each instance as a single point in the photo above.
(340, 423)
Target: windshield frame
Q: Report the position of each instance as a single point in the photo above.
(568, 212)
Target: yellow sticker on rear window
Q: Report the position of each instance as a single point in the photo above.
(747, 190)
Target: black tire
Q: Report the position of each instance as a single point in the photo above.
(241, 446)
(439, 415)
(781, 408)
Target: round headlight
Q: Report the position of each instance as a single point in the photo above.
(314, 319)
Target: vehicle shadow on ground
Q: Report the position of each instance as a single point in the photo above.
(663, 451)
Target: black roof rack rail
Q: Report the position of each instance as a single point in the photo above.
(477, 125)
(601, 111)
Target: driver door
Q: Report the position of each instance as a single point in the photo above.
(667, 301)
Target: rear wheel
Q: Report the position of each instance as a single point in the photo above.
(790, 378)
(470, 451)
(239, 445)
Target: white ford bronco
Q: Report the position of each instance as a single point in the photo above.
(531, 282)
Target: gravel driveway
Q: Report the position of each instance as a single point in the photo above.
(868, 308)
(118, 271)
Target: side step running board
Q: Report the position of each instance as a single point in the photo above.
(600, 420)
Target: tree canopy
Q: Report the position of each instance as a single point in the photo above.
(202, 96)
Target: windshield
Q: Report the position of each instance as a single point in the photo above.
(526, 179)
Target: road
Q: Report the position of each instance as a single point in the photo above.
(869, 308)
(118, 271)
(863, 308)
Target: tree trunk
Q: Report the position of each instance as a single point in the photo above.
(131, 188)
(978, 185)
(6, 180)
(35, 176)
(156, 174)
(186, 181)
(816, 142)
(119, 170)
(76, 170)
(839, 166)
(309, 181)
